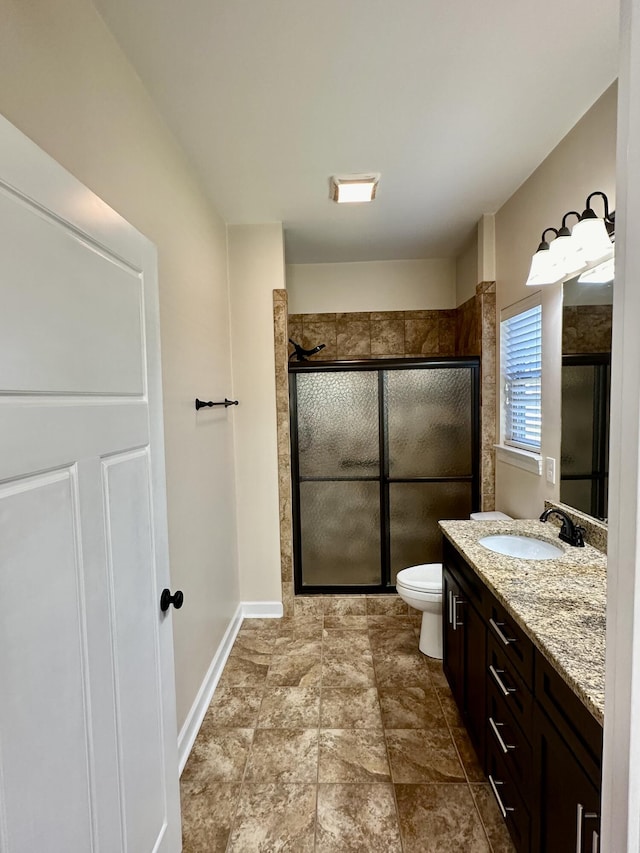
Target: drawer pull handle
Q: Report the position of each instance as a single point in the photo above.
(496, 673)
(581, 816)
(497, 626)
(456, 621)
(595, 842)
(505, 747)
(494, 787)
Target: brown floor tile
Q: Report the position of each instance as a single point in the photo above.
(218, 755)
(419, 755)
(311, 606)
(494, 825)
(353, 755)
(207, 813)
(449, 707)
(383, 620)
(306, 628)
(294, 671)
(240, 672)
(467, 754)
(338, 640)
(350, 708)
(439, 819)
(283, 755)
(253, 643)
(438, 678)
(401, 670)
(386, 640)
(263, 626)
(234, 706)
(357, 818)
(274, 817)
(345, 605)
(386, 605)
(298, 646)
(348, 622)
(290, 708)
(354, 670)
(410, 708)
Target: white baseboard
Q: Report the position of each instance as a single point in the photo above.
(191, 727)
(261, 609)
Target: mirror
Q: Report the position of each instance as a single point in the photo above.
(586, 381)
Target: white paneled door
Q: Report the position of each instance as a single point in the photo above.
(88, 748)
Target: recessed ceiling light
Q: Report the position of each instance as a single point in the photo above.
(350, 189)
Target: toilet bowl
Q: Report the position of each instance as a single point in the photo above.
(421, 588)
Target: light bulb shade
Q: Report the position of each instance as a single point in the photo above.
(592, 241)
(567, 258)
(602, 274)
(544, 269)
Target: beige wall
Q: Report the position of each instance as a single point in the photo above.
(65, 83)
(409, 285)
(467, 270)
(256, 269)
(584, 161)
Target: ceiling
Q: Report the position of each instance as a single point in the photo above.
(455, 103)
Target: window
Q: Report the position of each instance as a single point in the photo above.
(521, 341)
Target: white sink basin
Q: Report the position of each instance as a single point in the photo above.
(524, 547)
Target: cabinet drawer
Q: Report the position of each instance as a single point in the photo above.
(581, 731)
(517, 646)
(507, 736)
(509, 800)
(465, 575)
(511, 689)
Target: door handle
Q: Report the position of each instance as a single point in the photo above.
(166, 599)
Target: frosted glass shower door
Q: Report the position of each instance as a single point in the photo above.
(339, 478)
(429, 416)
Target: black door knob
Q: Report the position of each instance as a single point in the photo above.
(166, 599)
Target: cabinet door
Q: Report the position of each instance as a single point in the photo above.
(568, 802)
(475, 676)
(453, 660)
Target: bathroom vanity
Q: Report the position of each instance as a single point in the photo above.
(524, 649)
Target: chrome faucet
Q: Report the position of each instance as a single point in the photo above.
(569, 532)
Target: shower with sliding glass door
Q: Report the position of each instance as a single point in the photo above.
(381, 451)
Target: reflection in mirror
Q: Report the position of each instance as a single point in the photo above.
(586, 380)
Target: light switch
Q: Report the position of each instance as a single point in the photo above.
(551, 470)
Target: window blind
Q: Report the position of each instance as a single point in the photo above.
(521, 340)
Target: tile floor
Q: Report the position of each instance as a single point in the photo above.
(331, 734)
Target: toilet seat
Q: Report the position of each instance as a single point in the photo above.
(426, 578)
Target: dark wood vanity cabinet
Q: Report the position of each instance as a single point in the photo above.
(464, 653)
(540, 747)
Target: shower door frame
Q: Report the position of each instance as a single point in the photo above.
(383, 478)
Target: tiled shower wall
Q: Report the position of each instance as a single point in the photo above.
(388, 334)
(467, 330)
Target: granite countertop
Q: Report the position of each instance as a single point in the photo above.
(560, 604)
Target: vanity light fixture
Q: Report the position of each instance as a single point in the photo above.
(571, 252)
(353, 189)
(543, 269)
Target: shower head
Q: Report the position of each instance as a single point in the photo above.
(302, 354)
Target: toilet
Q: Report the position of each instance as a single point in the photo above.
(421, 588)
